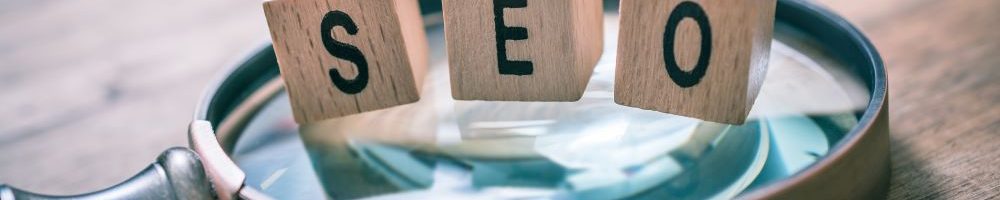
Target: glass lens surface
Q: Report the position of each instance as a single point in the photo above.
(439, 148)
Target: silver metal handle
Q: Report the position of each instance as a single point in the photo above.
(176, 174)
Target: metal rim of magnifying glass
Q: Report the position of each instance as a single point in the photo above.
(856, 167)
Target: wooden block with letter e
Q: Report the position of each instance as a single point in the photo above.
(341, 57)
(698, 58)
(522, 50)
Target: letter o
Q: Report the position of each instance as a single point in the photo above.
(682, 78)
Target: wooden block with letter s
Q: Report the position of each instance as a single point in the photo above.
(698, 58)
(522, 50)
(341, 57)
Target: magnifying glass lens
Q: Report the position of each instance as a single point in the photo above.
(588, 149)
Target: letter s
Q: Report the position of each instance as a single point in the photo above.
(344, 51)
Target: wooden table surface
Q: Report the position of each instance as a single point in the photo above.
(94, 90)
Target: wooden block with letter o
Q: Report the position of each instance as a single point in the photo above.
(341, 57)
(522, 50)
(699, 58)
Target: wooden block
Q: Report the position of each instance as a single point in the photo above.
(699, 58)
(522, 50)
(341, 57)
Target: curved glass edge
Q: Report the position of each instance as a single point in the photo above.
(228, 89)
(839, 35)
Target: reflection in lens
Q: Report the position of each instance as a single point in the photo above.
(439, 148)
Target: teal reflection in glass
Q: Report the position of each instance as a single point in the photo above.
(439, 148)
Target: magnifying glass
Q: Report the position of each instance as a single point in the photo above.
(818, 129)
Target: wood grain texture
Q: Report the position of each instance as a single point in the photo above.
(564, 41)
(138, 67)
(944, 83)
(94, 91)
(417, 48)
(381, 76)
(719, 84)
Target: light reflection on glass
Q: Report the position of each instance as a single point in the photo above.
(591, 149)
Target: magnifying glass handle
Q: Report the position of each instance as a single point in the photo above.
(176, 174)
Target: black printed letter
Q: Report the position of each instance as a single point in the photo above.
(344, 51)
(505, 33)
(682, 78)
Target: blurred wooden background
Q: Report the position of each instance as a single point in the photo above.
(93, 91)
